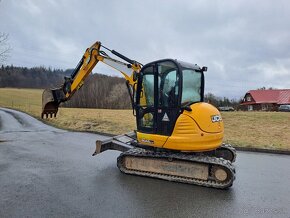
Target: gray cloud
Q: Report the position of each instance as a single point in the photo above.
(245, 44)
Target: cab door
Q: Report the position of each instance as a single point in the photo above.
(158, 98)
(168, 96)
(146, 100)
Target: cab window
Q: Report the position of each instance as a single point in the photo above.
(191, 86)
(168, 79)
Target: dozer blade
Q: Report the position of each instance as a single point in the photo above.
(50, 102)
(118, 143)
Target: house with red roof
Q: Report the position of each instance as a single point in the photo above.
(265, 100)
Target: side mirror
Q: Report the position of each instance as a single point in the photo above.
(204, 69)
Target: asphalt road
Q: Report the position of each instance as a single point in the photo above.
(47, 172)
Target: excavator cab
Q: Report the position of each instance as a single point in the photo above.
(164, 89)
(170, 111)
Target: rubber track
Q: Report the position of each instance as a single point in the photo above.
(231, 149)
(212, 161)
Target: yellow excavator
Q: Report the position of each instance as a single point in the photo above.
(179, 137)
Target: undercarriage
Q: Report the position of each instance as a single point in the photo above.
(210, 169)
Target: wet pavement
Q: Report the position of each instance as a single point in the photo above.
(47, 172)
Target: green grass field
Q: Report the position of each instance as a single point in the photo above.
(270, 130)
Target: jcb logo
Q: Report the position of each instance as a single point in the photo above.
(216, 118)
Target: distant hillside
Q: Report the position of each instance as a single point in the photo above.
(99, 91)
(36, 77)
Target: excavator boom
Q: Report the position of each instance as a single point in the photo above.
(51, 98)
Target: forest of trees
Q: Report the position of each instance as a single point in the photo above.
(222, 102)
(36, 77)
(99, 91)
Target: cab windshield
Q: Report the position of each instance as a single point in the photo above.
(191, 86)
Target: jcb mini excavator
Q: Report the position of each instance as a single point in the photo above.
(178, 137)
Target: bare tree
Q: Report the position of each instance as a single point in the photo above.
(4, 47)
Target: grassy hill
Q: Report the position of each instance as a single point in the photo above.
(249, 129)
(100, 120)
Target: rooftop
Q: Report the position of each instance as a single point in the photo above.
(278, 96)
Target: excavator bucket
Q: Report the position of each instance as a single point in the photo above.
(50, 103)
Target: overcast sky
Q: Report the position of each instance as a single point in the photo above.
(244, 44)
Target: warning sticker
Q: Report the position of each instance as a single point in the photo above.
(165, 117)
